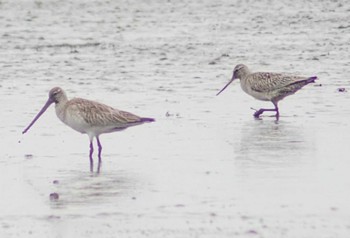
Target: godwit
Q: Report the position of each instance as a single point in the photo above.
(89, 117)
(268, 86)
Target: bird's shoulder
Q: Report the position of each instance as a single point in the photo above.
(88, 106)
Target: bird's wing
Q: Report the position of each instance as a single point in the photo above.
(98, 114)
(266, 82)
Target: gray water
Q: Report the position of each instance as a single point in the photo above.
(206, 167)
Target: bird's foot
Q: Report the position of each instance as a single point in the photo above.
(257, 113)
(262, 110)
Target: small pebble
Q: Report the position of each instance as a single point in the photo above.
(55, 182)
(54, 196)
(28, 156)
(252, 232)
(334, 208)
(53, 217)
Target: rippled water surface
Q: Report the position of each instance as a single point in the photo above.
(206, 167)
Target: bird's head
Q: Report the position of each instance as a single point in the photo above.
(239, 72)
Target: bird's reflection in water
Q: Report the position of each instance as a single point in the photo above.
(86, 189)
(273, 145)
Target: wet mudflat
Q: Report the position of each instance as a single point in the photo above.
(206, 168)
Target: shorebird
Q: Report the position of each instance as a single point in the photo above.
(89, 117)
(265, 86)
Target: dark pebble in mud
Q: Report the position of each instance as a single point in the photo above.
(334, 209)
(54, 196)
(253, 232)
(341, 90)
(55, 182)
(53, 217)
(28, 156)
(168, 114)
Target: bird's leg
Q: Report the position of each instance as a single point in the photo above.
(277, 111)
(99, 148)
(91, 160)
(99, 154)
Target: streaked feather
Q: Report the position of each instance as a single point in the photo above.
(267, 82)
(98, 114)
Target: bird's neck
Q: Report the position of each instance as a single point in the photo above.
(60, 108)
(244, 85)
(243, 77)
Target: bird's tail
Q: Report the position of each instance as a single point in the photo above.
(147, 119)
(311, 79)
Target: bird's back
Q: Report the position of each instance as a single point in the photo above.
(265, 82)
(84, 115)
(270, 86)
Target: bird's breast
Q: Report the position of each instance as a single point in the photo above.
(72, 118)
(247, 88)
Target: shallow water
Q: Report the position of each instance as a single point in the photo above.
(206, 168)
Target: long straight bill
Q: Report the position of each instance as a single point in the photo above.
(47, 104)
(233, 78)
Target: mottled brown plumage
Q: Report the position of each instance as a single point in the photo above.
(89, 117)
(97, 114)
(268, 86)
